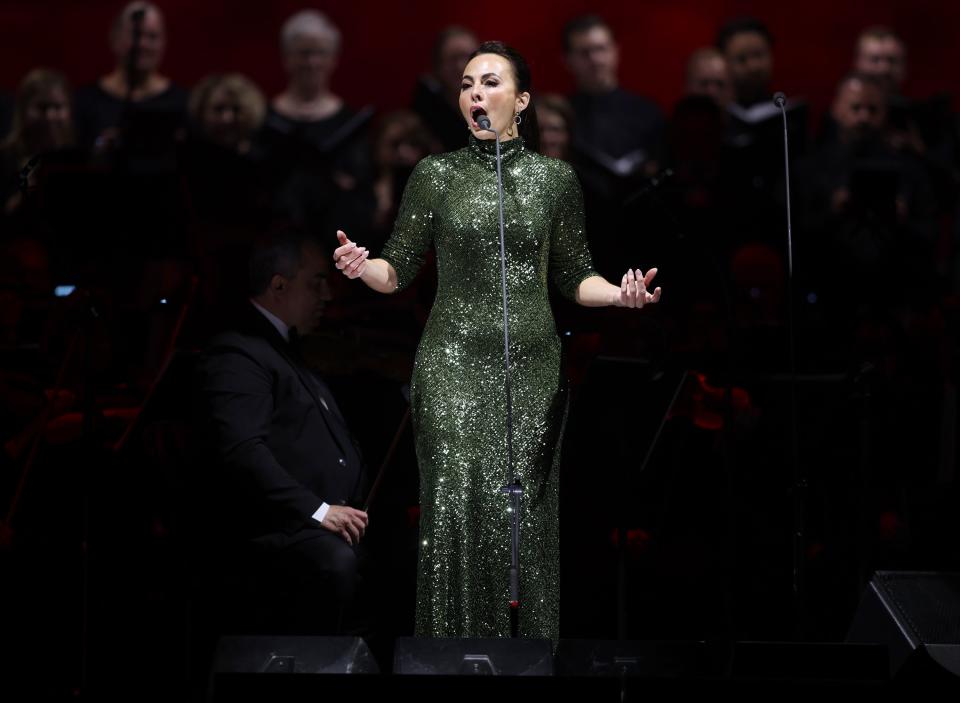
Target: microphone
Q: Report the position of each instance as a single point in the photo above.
(484, 122)
(779, 99)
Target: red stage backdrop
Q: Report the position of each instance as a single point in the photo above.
(387, 44)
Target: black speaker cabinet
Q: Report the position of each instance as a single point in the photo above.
(742, 661)
(636, 658)
(293, 655)
(917, 615)
(481, 656)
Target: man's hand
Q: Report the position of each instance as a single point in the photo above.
(347, 522)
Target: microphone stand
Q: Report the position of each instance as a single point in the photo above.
(130, 63)
(133, 57)
(799, 480)
(512, 485)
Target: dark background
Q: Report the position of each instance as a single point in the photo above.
(385, 45)
(708, 522)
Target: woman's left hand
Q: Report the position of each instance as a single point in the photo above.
(633, 289)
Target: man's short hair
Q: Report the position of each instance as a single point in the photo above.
(865, 78)
(741, 25)
(279, 250)
(445, 35)
(579, 25)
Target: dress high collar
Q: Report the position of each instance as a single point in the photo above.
(486, 150)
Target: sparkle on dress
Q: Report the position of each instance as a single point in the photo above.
(457, 393)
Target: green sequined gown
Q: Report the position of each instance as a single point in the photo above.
(457, 392)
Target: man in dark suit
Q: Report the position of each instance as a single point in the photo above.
(284, 467)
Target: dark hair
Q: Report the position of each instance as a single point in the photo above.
(445, 35)
(579, 25)
(529, 127)
(865, 78)
(279, 250)
(414, 132)
(561, 106)
(742, 25)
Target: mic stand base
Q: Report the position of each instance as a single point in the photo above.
(515, 491)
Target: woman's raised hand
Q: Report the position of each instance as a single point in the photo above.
(633, 289)
(350, 258)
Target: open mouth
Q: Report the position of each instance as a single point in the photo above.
(475, 113)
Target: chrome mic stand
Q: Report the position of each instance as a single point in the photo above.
(799, 476)
(512, 485)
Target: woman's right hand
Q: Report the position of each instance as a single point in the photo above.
(350, 258)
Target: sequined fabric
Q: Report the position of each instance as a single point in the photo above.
(458, 396)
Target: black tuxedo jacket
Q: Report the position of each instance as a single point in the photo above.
(276, 443)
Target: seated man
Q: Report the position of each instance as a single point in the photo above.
(283, 466)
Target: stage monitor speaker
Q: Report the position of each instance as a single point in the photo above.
(619, 658)
(292, 655)
(837, 662)
(917, 615)
(481, 656)
(785, 661)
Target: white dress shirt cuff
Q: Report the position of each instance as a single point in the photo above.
(321, 512)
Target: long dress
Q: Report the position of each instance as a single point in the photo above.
(457, 393)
